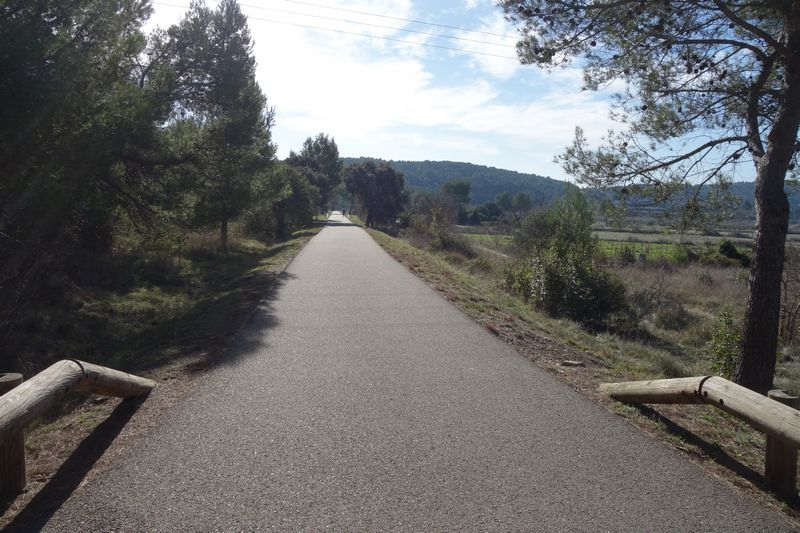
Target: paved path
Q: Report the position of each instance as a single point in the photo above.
(360, 400)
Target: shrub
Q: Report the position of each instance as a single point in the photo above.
(573, 287)
(448, 241)
(725, 345)
(673, 316)
(650, 299)
(626, 256)
(518, 279)
(481, 264)
(682, 254)
(670, 366)
(563, 227)
(729, 250)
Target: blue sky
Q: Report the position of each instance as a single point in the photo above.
(408, 100)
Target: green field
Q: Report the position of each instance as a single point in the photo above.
(649, 250)
(649, 246)
(487, 238)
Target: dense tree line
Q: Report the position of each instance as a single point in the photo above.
(104, 127)
(379, 190)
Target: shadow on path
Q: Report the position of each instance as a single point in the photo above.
(717, 454)
(61, 486)
(250, 337)
(335, 223)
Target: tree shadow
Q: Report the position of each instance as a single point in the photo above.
(236, 292)
(334, 223)
(306, 233)
(717, 454)
(250, 337)
(73, 471)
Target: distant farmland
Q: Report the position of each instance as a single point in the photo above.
(650, 246)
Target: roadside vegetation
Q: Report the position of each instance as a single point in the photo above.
(144, 216)
(592, 312)
(141, 198)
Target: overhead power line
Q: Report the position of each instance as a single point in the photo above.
(366, 35)
(359, 22)
(415, 21)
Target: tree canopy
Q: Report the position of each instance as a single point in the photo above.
(319, 161)
(234, 120)
(379, 189)
(106, 132)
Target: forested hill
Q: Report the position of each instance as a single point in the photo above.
(487, 182)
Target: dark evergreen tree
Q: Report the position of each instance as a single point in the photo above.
(79, 135)
(319, 161)
(235, 141)
(379, 189)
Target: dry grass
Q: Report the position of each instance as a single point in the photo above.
(703, 287)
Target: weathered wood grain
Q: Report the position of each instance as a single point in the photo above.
(680, 390)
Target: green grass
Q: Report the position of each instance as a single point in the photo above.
(147, 308)
(650, 250)
(486, 238)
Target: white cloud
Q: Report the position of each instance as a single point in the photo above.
(493, 44)
(385, 98)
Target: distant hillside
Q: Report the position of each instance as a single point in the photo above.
(744, 191)
(487, 182)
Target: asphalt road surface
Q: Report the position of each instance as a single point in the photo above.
(360, 400)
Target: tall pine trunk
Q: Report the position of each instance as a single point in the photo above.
(762, 317)
(756, 368)
(223, 235)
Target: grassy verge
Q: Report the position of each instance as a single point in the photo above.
(355, 219)
(167, 316)
(720, 442)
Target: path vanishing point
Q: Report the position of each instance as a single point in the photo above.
(361, 400)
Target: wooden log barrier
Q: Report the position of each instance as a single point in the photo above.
(780, 462)
(35, 397)
(679, 390)
(773, 415)
(12, 446)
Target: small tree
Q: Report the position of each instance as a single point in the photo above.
(319, 161)
(521, 203)
(379, 189)
(284, 202)
(456, 192)
(710, 85)
(564, 227)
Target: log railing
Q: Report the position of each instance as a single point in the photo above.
(29, 400)
(775, 415)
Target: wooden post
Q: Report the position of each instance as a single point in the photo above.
(12, 449)
(36, 396)
(780, 466)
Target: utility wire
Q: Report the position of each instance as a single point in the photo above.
(415, 21)
(367, 35)
(350, 21)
